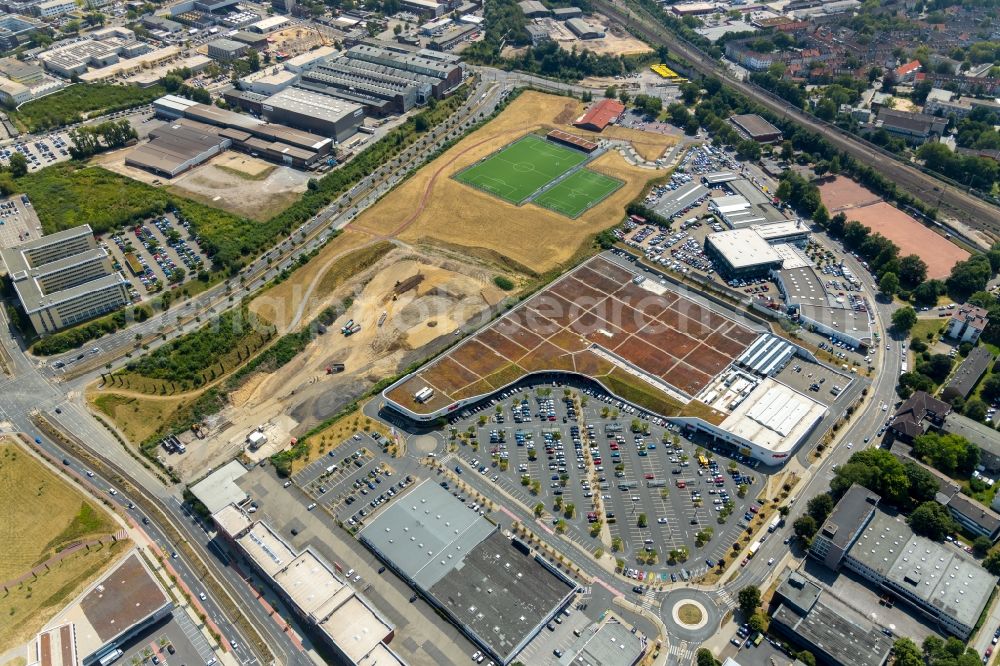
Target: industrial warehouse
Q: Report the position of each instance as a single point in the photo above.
(492, 588)
(198, 132)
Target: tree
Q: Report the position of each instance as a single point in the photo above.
(907, 653)
(969, 276)
(819, 507)
(991, 388)
(749, 600)
(926, 293)
(18, 165)
(975, 409)
(758, 621)
(981, 545)
(992, 563)
(931, 520)
(642, 522)
(888, 284)
(904, 319)
(806, 657)
(912, 271)
(805, 526)
(705, 658)
(539, 509)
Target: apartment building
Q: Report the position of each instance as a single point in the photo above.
(64, 278)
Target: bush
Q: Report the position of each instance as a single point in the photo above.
(503, 282)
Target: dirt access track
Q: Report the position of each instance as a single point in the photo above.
(433, 208)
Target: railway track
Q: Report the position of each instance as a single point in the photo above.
(950, 200)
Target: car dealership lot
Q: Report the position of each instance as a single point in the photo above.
(611, 465)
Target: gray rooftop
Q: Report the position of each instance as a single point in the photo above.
(612, 644)
(427, 533)
(306, 102)
(980, 434)
(799, 592)
(803, 286)
(677, 200)
(501, 595)
(971, 371)
(844, 636)
(14, 256)
(219, 489)
(939, 574)
(849, 515)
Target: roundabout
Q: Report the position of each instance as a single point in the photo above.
(689, 615)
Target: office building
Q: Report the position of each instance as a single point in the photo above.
(15, 30)
(967, 324)
(64, 278)
(226, 49)
(941, 582)
(50, 8)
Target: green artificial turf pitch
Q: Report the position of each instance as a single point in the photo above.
(577, 192)
(518, 170)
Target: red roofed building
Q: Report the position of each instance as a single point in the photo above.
(908, 71)
(600, 115)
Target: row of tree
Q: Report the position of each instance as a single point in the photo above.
(92, 139)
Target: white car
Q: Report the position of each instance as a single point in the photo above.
(203, 596)
(850, 445)
(770, 562)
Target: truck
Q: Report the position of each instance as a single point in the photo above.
(352, 330)
(774, 524)
(754, 547)
(347, 326)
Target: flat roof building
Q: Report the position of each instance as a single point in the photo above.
(490, 587)
(756, 128)
(226, 49)
(833, 631)
(64, 278)
(742, 253)
(318, 595)
(15, 29)
(843, 526)
(609, 644)
(177, 147)
(314, 112)
(675, 202)
(218, 490)
(118, 607)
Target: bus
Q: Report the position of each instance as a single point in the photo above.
(702, 460)
(110, 657)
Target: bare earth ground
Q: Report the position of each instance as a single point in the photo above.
(297, 40)
(859, 203)
(433, 208)
(246, 194)
(615, 42)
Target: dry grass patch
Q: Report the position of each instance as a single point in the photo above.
(27, 607)
(434, 208)
(689, 614)
(138, 417)
(29, 491)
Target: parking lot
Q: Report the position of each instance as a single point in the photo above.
(612, 464)
(352, 480)
(174, 641)
(156, 253)
(40, 152)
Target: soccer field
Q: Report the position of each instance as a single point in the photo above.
(578, 192)
(518, 170)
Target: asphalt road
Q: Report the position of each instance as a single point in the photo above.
(971, 210)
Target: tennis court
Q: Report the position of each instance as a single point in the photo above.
(578, 192)
(515, 172)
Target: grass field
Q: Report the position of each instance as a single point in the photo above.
(515, 172)
(578, 192)
(138, 417)
(28, 492)
(26, 608)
